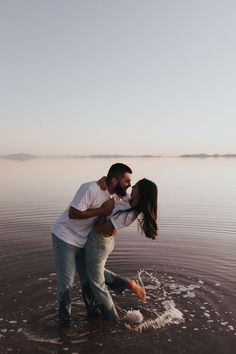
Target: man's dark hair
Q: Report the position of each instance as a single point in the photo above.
(118, 170)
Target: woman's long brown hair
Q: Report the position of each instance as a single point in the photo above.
(147, 206)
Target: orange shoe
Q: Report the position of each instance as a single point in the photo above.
(137, 289)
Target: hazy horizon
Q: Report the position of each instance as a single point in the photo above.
(93, 77)
(26, 156)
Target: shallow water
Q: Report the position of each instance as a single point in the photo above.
(191, 267)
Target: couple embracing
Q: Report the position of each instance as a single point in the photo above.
(84, 236)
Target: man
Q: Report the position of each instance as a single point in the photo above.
(71, 230)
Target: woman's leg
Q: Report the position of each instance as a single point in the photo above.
(97, 251)
(119, 284)
(116, 282)
(87, 293)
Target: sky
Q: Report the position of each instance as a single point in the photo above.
(117, 77)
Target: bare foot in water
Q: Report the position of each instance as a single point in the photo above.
(137, 289)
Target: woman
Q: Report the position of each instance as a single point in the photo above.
(143, 206)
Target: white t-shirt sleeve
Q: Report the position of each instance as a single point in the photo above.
(123, 219)
(84, 197)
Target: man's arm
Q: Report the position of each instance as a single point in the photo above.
(105, 208)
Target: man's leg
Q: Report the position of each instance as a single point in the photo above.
(64, 258)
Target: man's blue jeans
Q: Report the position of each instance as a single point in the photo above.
(69, 259)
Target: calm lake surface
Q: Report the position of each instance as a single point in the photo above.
(189, 272)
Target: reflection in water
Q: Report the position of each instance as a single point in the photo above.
(188, 273)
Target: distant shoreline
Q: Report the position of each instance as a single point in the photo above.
(206, 155)
(24, 157)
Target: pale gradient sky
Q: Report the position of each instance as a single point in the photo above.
(117, 76)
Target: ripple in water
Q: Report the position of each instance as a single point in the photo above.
(177, 306)
(173, 300)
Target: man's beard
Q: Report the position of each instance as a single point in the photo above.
(121, 191)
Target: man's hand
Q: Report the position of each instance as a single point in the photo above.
(108, 206)
(102, 182)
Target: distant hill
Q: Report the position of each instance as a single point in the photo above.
(20, 157)
(119, 156)
(206, 155)
(101, 156)
(23, 157)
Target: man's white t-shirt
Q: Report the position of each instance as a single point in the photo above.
(75, 231)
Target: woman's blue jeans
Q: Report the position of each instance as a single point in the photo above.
(97, 250)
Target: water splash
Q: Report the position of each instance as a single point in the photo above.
(171, 315)
(133, 316)
(150, 275)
